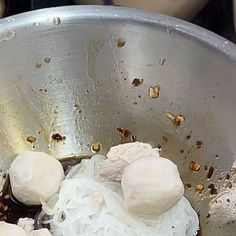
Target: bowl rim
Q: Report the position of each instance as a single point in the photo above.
(82, 13)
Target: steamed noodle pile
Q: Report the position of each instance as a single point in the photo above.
(90, 205)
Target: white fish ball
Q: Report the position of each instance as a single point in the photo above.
(151, 186)
(35, 175)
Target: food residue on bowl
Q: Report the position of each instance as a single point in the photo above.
(58, 137)
(124, 133)
(137, 82)
(31, 139)
(176, 119)
(154, 92)
(194, 166)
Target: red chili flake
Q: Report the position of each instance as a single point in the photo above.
(210, 172)
(199, 144)
(124, 133)
(194, 166)
(58, 137)
(165, 138)
(137, 82)
(213, 189)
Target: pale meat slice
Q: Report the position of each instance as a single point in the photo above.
(121, 156)
(112, 169)
(130, 152)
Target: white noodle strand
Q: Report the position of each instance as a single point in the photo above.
(88, 205)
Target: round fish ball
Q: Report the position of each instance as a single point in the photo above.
(35, 176)
(151, 186)
(11, 230)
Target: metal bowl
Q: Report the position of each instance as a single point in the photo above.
(72, 77)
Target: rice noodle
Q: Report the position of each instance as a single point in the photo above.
(89, 205)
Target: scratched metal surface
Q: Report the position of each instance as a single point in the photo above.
(69, 71)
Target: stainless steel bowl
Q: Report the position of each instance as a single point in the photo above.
(69, 72)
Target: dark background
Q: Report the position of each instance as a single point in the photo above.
(217, 16)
